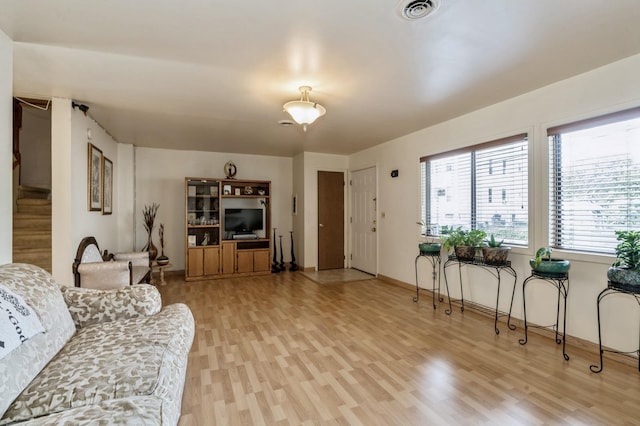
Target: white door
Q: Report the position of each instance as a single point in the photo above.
(363, 221)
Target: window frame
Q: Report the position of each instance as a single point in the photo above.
(553, 158)
(425, 187)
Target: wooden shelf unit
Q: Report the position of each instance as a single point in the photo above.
(210, 251)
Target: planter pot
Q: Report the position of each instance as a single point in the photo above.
(465, 252)
(553, 266)
(624, 276)
(429, 248)
(495, 255)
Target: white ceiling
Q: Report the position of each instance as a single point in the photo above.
(212, 75)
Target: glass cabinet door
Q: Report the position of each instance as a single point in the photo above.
(203, 212)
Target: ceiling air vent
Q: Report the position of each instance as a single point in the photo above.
(413, 10)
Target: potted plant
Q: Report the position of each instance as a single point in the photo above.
(494, 253)
(428, 248)
(626, 269)
(543, 263)
(464, 243)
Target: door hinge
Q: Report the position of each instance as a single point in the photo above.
(350, 182)
(351, 220)
(351, 256)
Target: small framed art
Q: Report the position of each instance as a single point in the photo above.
(107, 186)
(94, 178)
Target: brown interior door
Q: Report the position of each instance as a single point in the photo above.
(330, 220)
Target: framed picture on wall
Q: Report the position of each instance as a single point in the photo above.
(94, 178)
(107, 186)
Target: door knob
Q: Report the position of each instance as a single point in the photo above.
(321, 225)
(373, 229)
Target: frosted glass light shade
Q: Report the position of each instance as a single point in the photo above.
(304, 112)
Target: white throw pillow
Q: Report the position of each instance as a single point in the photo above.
(18, 322)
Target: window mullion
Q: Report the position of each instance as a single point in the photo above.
(474, 205)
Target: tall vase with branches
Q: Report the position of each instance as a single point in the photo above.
(149, 213)
(162, 259)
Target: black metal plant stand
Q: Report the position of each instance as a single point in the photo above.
(435, 260)
(611, 289)
(274, 266)
(561, 282)
(496, 271)
(281, 267)
(292, 265)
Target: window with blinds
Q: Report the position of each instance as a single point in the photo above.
(483, 187)
(594, 186)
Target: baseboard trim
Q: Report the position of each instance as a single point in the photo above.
(576, 342)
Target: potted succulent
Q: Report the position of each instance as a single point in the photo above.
(428, 248)
(494, 253)
(626, 269)
(543, 263)
(464, 243)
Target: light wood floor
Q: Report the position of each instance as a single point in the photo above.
(282, 349)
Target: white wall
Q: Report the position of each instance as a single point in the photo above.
(313, 163)
(160, 177)
(298, 218)
(6, 149)
(62, 186)
(124, 197)
(35, 147)
(610, 88)
(71, 218)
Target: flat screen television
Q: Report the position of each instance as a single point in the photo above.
(243, 221)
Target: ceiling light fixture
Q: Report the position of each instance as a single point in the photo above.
(304, 111)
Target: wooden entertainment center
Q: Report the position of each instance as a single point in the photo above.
(227, 224)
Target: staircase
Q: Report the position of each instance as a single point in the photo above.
(32, 228)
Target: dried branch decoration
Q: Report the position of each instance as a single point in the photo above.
(149, 214)
(161, 234)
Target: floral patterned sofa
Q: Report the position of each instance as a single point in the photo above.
(105, 356)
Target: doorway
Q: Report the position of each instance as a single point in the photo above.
(364, 226)
(330, 220)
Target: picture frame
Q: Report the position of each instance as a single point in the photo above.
(94, 178)
(226, 190)
(191, 241)
(107, 185)
(237, 191)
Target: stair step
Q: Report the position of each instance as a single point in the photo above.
(25, 191)
(30, 238)
(34, 206)
(26, 221)
(36, 256)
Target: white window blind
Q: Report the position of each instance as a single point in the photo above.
(483, 187)
(594, 181)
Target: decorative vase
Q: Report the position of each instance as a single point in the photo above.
(162, 260)
(495, 255)
(465, 252)
(551, 267)
(624, 276)
(429, 248)
(151, 248)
